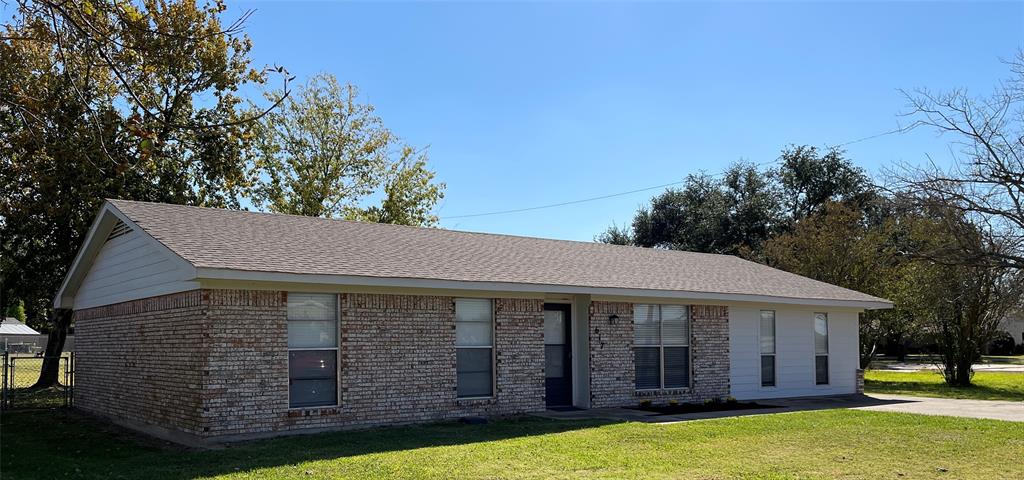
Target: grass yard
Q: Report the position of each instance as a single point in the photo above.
(27, 368)
(987, 385)
(816, 444)
(25, 374)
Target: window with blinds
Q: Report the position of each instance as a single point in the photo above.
(821, 348)
(767, 348)
(661, 345)
(312, 350)
(474, 347)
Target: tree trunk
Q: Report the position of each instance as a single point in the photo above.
(49, 376)
(963, 373)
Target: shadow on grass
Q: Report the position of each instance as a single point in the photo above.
(34, 398)
(61, 443)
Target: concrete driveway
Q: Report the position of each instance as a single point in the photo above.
(996, 410)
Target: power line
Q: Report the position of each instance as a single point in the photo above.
(565, 203)
(612, 195)
(890, 132)
(571, 202)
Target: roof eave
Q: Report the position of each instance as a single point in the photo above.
(211, 273)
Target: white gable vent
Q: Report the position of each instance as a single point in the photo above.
(120, 229)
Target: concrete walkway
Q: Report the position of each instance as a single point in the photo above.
(996, 410)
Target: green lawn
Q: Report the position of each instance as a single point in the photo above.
(27, 368)
(25, 374)
(987, 385)
(816, 444)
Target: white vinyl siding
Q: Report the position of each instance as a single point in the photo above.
(131, 266)
(661, 349)
(794, 352)
(312, 349)
(474, 347)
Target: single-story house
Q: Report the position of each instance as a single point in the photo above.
(212, 324)
(16, 337)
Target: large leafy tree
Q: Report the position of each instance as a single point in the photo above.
(324, 153)
(734, 214)
(960, 304)
(810, 179)
(737, 213)
(111, 99)
(870, 262)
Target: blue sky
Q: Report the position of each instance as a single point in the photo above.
(526, 104)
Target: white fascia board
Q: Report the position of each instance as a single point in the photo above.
(95, 238)
(254, 276)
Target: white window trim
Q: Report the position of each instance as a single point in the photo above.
(828, 351)
(661, 351)
(775, 356)
(337, 355)
(494, 363)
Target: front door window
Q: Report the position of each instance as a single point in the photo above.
(557, 355)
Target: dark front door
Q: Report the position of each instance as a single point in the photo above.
(557, 354)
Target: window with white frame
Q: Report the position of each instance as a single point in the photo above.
(312, 349)
(821, 348)
(767, 348)
(661, 347)
(474, 347)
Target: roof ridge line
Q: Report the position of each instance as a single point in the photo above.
(420, 228)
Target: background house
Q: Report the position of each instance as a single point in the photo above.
(16, 337)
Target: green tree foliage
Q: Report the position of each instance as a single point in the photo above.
(959, 304)
(870, 262)
(16, 311)
(732, 215)
(409, 193)
(809, 180)
(110, 99)
(737, 213)
(615, 235)
(323, 153)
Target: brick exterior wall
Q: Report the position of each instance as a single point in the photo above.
(214, 363)
(860, 380)
(142, 361)
(246, 369)
(612, 378)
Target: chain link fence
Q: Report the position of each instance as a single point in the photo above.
(20, 373)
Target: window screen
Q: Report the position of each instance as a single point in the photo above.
(661, 346)
(312, 349)
(474, 347)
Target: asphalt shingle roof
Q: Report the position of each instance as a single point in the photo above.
(261, 242)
